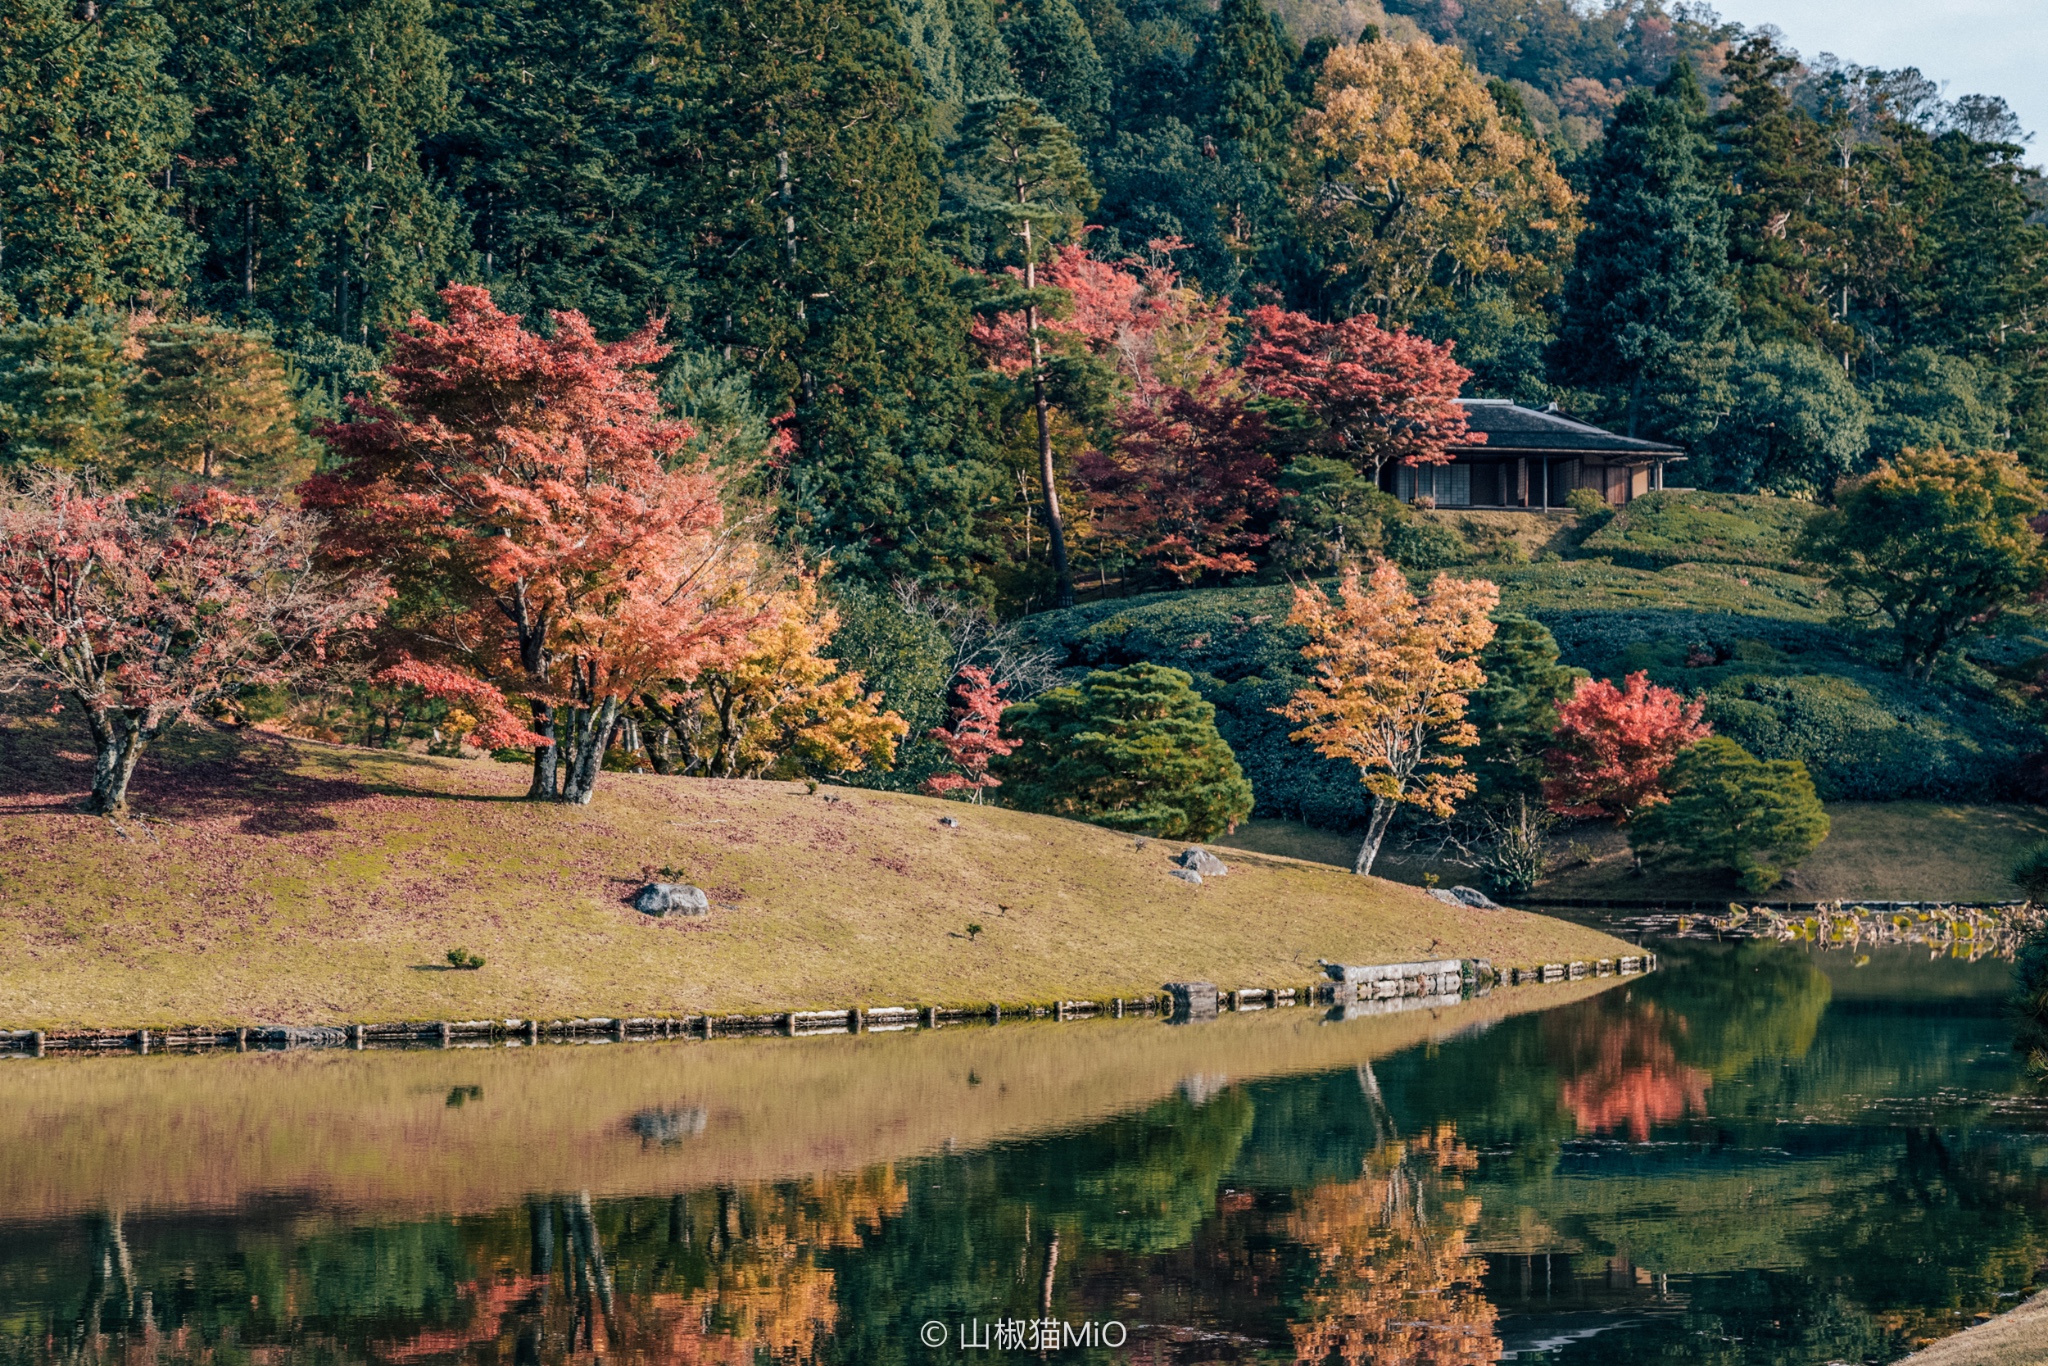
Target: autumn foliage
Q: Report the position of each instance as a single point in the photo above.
(1188, 472)
(144, 616)
(975, 738)
(1376, 397)
(773, 704)
(1393, 675)
(1396, 1280)
(554, 548)
(1615, 746)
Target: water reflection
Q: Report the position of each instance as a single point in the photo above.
(1754, 1156)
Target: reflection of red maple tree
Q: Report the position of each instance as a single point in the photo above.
(1622, 1072)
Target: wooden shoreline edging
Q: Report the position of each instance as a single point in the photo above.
(1350, 992)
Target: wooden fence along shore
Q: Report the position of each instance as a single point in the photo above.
(1350, 993)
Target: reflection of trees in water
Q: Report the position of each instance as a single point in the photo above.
(1619, 1068)
(1395, 1279)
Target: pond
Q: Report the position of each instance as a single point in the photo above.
(1761, 1153)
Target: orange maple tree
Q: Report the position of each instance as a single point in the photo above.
(1393, 672)
(551, 540)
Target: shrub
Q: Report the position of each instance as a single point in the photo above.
(1133, 749)
(465, 961)
(1732, 812)
(2030, 875)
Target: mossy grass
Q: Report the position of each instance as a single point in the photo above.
(263, 880)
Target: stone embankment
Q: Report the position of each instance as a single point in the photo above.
(1350, 992)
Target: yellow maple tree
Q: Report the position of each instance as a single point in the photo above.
(1393, 673)
(1414, 187)
(775, 705)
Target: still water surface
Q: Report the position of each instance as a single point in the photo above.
(1759, 1154)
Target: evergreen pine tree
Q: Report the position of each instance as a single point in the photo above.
(1515, 710)
(1133, 749)
(980, 56)
(543, 153)
(1645, 300)
(315, 212)
(1774, 158)
(1249, 60)
(88, 125)
(64, 391)
(1054, 57)
(797, 181)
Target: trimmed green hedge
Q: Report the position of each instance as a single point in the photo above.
(1782, 687)
(1672, 527)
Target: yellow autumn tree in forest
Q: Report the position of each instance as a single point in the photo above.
(1414, 187)
(1393, 673)
(775, 705)
(1397, 1283)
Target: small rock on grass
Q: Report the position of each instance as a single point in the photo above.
(1465, 896)
(1200, 860)
(1186, 875)
(671, 898)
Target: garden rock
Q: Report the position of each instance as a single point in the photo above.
(671, 898)
(1186, 875)
(1470, 897)
(1202, 861)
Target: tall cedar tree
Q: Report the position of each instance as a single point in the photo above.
(1056, 62)
(799, 182)
(143, 617)
(1393, 676)
(303, 173)
(544, 152)
(90, 124)
(548, 540)
(66, 390)
(1017, 172)
(1375, 397)
(1248, 61)
(214, 403)
(1774, 160)
(1645, 298)
(1134, 749)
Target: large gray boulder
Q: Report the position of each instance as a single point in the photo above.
(1186, 875)
(671, 898)
(1200, 860)
(1473, 897)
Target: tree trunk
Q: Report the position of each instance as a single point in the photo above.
(1635, 404)
(118, 736)
(593, 735)
(1055, 528)
(546, 758)
(1375, 832)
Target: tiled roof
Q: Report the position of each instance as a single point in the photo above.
(1511, 427)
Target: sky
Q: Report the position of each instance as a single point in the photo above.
(1973, 47)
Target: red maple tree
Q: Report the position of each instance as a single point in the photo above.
(1182, 481)
(1375, 396)
(975, 738)
(551, 540)
(1614, 746)
(144, 616)
(1138, 315)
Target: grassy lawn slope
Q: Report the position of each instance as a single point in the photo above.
(271, 881)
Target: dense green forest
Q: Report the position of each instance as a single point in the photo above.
(1647, 215)
(830, 338)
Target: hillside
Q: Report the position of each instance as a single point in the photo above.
(1699, 590)
(273, 881)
